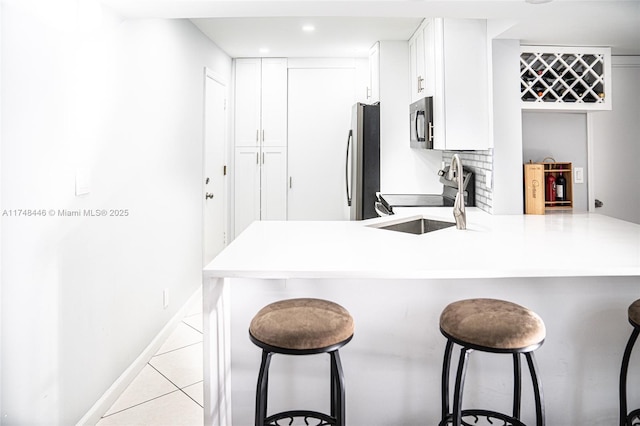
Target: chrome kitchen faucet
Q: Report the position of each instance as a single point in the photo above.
(455, 171)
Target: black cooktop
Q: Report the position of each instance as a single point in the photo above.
(389, 201)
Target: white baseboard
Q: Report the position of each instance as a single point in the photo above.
(113, 393)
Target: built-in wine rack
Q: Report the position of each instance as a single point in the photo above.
(565, 78)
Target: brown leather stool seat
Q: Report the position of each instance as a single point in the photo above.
(301, 327)
(632, 418)
(492, 324)
(496, 326)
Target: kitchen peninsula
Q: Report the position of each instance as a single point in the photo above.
(578, 271)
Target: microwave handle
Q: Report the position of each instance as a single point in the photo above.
(346, 168)
(419, 113)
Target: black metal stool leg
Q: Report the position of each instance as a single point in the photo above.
(446, 366)
(262, 389)
(338, 393)
(537, 388)
(623, 376)
(457, 398)
(517, 386)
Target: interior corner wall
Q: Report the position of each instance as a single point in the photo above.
(118, 104)
(507, 129)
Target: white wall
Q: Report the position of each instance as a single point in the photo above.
(122, 100)
(562, 136)
(614, 149)
(403, 169)
(507, 128)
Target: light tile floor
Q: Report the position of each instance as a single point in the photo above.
(169, 389)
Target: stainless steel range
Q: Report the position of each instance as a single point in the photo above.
(387, 202)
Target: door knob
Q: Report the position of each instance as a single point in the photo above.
(599, 203)
(208, 196)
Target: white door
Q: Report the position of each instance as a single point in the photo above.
(214, 165)
(320, 102)
(615, 151)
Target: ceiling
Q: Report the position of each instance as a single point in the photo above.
(347, 28)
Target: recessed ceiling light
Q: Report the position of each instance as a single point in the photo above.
(538, 1)
(308, 28)
(264, 50)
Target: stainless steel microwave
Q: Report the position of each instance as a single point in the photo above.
(421, 123)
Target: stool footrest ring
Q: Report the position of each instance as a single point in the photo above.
(307, 418)
(633, 419)
(483, 417)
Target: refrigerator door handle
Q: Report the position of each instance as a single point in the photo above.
(346, 167)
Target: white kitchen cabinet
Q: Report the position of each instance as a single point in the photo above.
(565, 78)
(373, 88)
(247, 187)
(261, 102)
(260, 177)
(448, 60)
(273, 184)
(260, 185)
(417, 64)
(247, 101)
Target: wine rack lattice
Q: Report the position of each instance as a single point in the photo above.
(571, 78)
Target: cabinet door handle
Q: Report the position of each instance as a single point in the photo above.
(290, 182)
(263, 158)
(257, 158)
(262, 135)
(257, 136)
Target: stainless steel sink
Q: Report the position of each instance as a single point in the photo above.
(416, 226)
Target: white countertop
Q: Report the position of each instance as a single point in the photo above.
(492, 246)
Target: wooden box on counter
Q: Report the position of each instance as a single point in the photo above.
(535, 177)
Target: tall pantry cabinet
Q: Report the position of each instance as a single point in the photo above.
(260, 190)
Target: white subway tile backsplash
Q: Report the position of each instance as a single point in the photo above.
(479, 162)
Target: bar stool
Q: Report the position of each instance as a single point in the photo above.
(496, 326)
(632, 418)
(301, 327)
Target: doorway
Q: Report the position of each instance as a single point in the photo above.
(214, 185)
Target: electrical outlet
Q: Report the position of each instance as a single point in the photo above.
(578, 175)
(165, 298)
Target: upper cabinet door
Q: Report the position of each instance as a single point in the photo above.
(274, 102)
(417, 65)
(247, 102)
(373, 90)
(565, 78)
(261, 102)
(462, 84)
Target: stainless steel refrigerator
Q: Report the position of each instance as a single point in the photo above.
(362, 165)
